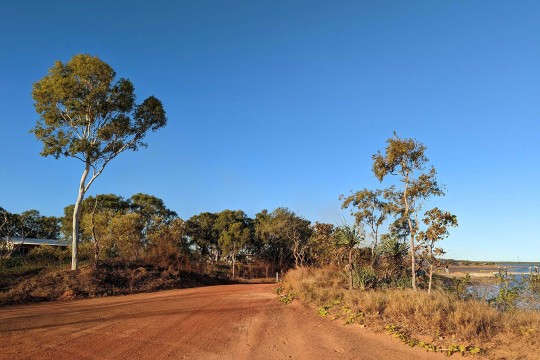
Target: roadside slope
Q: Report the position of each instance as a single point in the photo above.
(216, 322)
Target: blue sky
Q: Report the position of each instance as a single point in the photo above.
(282, 103)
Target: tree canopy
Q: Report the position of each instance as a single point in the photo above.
(86, 114)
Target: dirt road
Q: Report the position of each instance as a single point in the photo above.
(218, 322)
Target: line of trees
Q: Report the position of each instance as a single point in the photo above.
(86, 114)
(28, 224)
(143, 228)
(389, 223)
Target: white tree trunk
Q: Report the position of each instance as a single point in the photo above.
(76, 217)
(413, 233)
(233, 264)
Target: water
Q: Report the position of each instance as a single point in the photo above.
(518, 278)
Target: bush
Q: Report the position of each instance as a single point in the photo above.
(364, 278)
(48, 255)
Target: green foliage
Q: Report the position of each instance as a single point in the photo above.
(282, 237)
(341, 312)
(460, 286)
(364, 278)
(203, 233)
(371, 210)
(322, 247)
(323, 310)
(87, 115)
(287, 298)
(153, 210)
(508, 295)
(235, 232)
(84, 113)
(406, 159)
(29, 224)
(48, 255)
(405, 337)
(533, 284)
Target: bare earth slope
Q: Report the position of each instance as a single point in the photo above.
(217, 322)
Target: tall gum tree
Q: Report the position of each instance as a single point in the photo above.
(406, 159)
(85, 114)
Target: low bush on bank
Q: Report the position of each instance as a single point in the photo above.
(441, 319)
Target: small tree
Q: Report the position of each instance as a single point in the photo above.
(203, 233)
(322, 246)
(8, 229)
(283, 234)
(348, 238)
(125, 236)
(86, 115)
(406, 158)
(169, 245)
(438, 222)
(15, 228)
(295, 229)
(372, 212)
(235, 232)
(270, 243)
(96, 215)
(153, 210)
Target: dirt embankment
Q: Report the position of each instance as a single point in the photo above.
(107, 279)
(216, 322)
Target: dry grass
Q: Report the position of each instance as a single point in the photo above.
(108, 279)
(441, 318)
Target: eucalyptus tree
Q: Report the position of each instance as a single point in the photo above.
(86, 115)
(270, 243)
(169, 244)
(437, 222)
(29, 224)
(202, 233)
(322, 245)
(107, 204)
(97, 214)
(124, 237)
(295, 229)
(370, 209)
(153, 211)
(406, 159)
(235, 232)
(283, 235)
(9, 226)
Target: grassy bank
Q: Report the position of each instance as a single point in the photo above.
(440, 322)
(28, 284)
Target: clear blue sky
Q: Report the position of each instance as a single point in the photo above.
(282, 103)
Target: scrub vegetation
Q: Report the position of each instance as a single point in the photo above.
(444, 321)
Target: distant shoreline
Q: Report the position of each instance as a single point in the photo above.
(489, 263)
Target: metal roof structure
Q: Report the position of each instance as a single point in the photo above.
(33, 241)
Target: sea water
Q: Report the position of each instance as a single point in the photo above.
(511, 276)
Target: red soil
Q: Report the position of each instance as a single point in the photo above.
(216, 322)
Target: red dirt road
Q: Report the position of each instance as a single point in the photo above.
(217, 322)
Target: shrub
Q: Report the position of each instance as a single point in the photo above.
(364, 278)
(48, 255)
